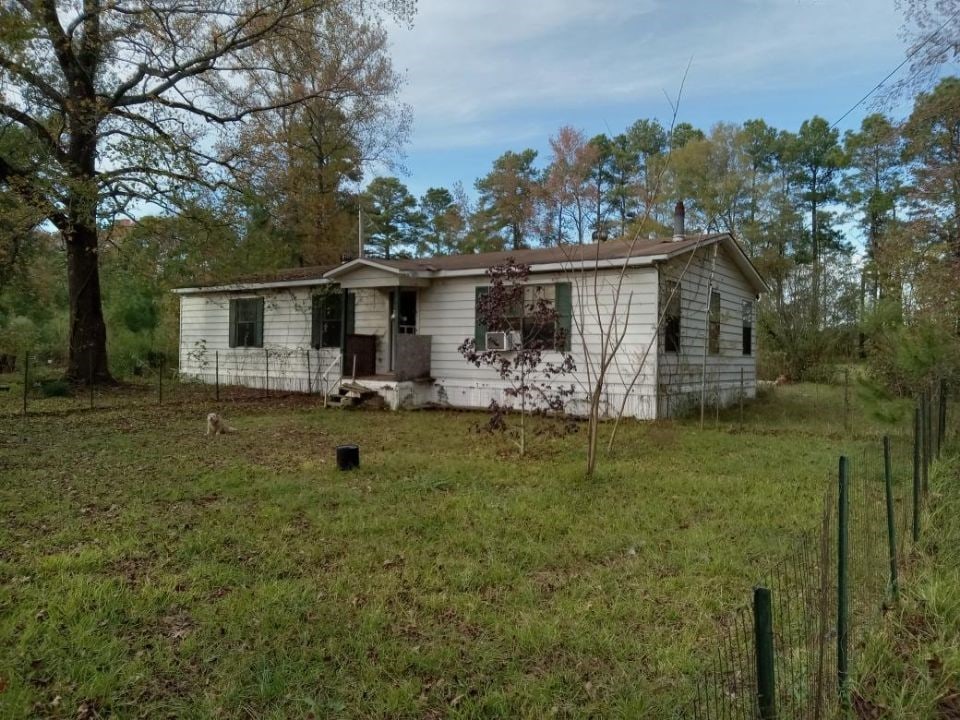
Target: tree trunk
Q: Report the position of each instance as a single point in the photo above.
(88, 332)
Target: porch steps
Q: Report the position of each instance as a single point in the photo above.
(354, 395)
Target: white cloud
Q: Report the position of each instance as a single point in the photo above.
(481, 72)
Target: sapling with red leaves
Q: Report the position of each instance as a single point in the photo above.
(531, 356)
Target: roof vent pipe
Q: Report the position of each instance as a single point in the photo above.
(678, 218)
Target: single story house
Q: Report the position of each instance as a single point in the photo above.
(686, 313)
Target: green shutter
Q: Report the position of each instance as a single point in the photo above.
(564, 305)
(316, 326)
(350, 309)
(233, 324)
(258, 335)
(479, 329)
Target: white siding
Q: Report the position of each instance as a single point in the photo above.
(205, 342)
(447, 313)
(680, 374)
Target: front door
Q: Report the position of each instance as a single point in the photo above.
(403, 319)
(407, 320)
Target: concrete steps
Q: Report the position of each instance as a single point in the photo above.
(353, 395)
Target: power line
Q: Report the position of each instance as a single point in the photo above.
(893, 72)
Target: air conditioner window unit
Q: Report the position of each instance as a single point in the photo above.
(497, 340)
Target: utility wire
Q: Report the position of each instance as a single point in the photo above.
(893, 72)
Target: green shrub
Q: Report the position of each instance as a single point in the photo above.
(55, 388)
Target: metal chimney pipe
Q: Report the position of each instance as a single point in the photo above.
(678, 221)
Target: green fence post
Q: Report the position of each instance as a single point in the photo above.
(309, 375)
(216, 373)
(26, 380)
(763, 641)
(891, 530)
(846, 399)
(942, 423)
(266, 379)
(741, 399)
(843, 630)
(934, 423)
(925, 440)
(917, 473)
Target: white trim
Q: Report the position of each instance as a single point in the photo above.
(248, 287)
(565, 266)
(360, 262)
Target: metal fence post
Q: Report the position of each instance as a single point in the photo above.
(26, 380)
(846, 399)
(741, 399)
(266, 379)
(309, 375)
(924, 440)
(917, 473)
(891, 530)
(90, 373)
(216, 373)
(763, 642)
(942, 423)
(843, 630)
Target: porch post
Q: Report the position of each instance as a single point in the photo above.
(343, 320)
(395, 329)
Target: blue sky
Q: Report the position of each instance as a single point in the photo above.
(485, 77)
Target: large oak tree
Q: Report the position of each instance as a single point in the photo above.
(128, 102)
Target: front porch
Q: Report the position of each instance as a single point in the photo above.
(382, 349)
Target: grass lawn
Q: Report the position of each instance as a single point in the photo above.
(149, 571)
(911, 663)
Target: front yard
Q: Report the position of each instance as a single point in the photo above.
(149, 571)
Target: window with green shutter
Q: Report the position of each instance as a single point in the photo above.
(714, 339)
(246, 322)
(564, 305)
(523, 319)
(671, 302)
(747, 327)
(328, 320)
(479, 329)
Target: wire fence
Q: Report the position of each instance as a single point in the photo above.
(791, 650)
(30, 386)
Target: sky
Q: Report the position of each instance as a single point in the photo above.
(486, 76)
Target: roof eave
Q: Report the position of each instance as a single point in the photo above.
(352, 265)
(251, 286)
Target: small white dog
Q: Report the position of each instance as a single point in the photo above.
(216, 425)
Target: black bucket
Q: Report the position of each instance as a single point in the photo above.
(348, 457)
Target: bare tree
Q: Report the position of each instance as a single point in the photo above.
(121, 98)
(601, 326)
(567, 191)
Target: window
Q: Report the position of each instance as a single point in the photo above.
(246, 322)
(747, 327)
(670, 302)
(534, 333)
(714, 322)
(407, 320)
(522, 318)
(327, 320)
